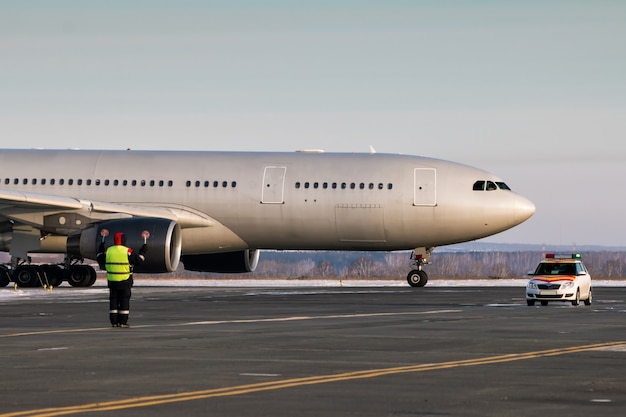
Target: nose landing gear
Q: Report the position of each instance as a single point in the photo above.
(419, 257)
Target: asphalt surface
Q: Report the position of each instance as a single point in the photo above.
(432, 351)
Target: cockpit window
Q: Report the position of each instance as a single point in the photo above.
(482, 185)
(479, 186)
(503, 186)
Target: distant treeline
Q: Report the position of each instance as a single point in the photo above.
(394, 265)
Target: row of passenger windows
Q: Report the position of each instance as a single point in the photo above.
(489, 186)
(215, 184)
(115, 183)
(197, 183)
(343, 185)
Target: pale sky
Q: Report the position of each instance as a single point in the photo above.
(533, 91)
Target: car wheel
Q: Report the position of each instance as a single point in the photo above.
(589, 299)
(576, 300)
(544, 303)
(530, 302)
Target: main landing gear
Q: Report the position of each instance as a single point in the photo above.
(419, 257)
(25, 274)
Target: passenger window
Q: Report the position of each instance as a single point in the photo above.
(479, 186)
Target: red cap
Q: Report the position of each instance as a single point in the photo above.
(117, 239)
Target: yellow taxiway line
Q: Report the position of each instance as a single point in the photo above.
(297, 382)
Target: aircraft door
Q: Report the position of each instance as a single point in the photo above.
(273, 185)
(425, 180)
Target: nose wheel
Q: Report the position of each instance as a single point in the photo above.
(419, 257)
(417, 278)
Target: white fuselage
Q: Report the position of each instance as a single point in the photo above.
(237, 200)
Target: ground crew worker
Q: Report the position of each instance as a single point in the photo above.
(118, 260)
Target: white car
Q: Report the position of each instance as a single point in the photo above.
(559, 278)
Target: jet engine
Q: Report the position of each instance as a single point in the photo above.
(227, 262)
(164, 243)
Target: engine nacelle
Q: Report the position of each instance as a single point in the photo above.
(227, 262)
(164, 243)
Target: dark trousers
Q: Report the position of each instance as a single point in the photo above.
(119, 301)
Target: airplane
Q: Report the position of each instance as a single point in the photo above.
(216, 211)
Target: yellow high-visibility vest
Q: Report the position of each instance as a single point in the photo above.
(117, 265)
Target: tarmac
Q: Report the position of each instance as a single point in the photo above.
(318, 351)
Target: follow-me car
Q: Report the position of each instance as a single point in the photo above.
(559, 278)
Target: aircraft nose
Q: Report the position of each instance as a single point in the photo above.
(524, 209)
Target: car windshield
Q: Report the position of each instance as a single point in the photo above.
(556, 269)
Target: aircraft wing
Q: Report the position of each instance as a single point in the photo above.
(62, 214)
(10, 198)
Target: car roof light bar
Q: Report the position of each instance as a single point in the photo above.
(562, 256)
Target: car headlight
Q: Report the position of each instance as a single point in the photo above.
(569, 284)
(532, 286)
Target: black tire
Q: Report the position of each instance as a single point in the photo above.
(5, 276)
(54, 273)
(92, 276)
(79, 276)
(576, 301)
(424, 279)
(417, 278)
(544, 303)
(589, 299)
(27, 276)
(530, 303)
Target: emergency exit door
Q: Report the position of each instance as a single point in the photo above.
(273, 185)
(425, 180)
